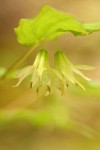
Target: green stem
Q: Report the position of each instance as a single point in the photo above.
(18, 62)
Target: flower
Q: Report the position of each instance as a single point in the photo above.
(67, 71)
(45, 79)
(40, 72)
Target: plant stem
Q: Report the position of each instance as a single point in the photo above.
(18, 62)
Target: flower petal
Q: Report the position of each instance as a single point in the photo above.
(64, 67)
(20, 80)
(80, 74)
(79, 84)
(84, 67)
(23, 71)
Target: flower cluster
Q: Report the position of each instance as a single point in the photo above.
(45, 79)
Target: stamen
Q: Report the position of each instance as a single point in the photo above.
(39, 86)
(31, 85)
(67, 84)
(48, 88)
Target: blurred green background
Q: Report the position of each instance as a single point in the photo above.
(30, 122)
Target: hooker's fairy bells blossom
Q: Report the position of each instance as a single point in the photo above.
(40, 73)
(68, 71)
(45, 79)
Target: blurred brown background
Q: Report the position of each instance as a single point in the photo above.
(82, 50)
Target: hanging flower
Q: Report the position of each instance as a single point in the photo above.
(45, 79)
(40, 73)
(68, 71)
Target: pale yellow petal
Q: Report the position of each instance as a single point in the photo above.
(23, 71)
(20, 80)
(84, 67)
(80, 85)
(80, 74)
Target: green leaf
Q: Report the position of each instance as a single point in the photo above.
(93, 27)
(48, 24)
